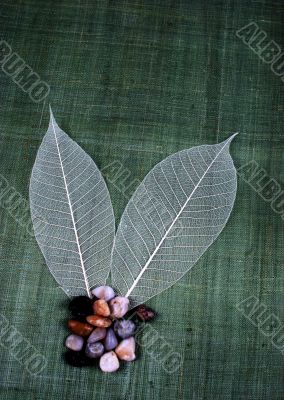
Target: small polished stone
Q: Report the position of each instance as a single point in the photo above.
(124, 328)
(100, 322)
(109, 362)
(110, 340)
(126, 349)
(100, 307)
(94, 350)
(145, 313)
(77, 358)
(103, 292)
(74, 342)
(97, 334)
(79, 328)
(118, 306)
(80, 306)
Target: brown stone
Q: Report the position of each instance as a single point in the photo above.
(101, 307)
(100, 322)
(79, 328)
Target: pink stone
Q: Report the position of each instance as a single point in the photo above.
(119, 306)
(126, 349)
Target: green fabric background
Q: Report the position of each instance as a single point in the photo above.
(134, 81)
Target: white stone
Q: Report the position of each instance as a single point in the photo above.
(109, 362)
(126, 349)
(119, 306)
(103, 292)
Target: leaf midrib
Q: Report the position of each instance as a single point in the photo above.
(174, 221)
(71, 213)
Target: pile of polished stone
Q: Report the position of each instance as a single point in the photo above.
(99, 331)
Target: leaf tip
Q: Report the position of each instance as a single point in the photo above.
(50, 112)
(229, 140)
(233, 136)
(52, 121)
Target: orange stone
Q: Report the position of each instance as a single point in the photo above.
(101, 307)
(98, 321)
(80, 328)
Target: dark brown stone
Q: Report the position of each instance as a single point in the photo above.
(145, 313)
(79, 328)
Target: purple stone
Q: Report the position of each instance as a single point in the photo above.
(94, 350)
(74, 342)
(110, 340)
(124, 328)
(103, 292)
(97, 335)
